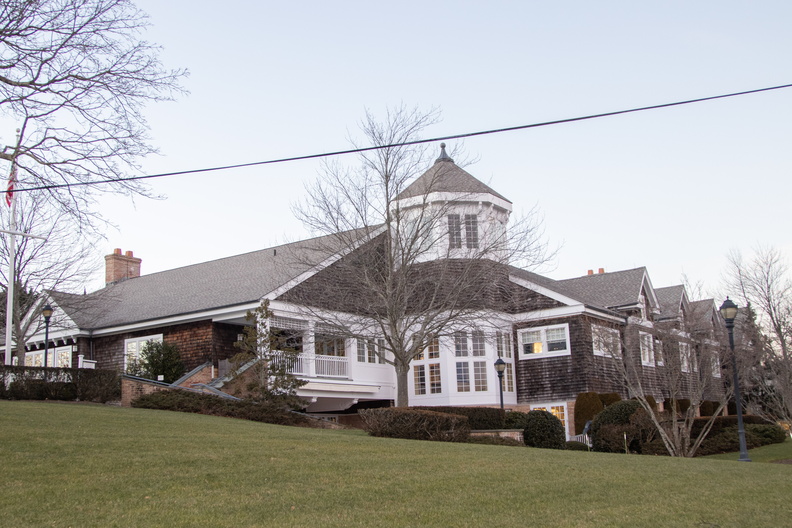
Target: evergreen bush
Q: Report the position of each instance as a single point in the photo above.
(544, 430)
(610, 426)
(478, 417)
(609, 398)
(515, 420)
(576, 446)
(587, 406)
(415, 424)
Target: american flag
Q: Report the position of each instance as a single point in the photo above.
(10, 189)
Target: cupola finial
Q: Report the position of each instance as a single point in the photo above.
(443, 155)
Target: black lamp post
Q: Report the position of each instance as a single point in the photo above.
(47, 313)
(729, 311)
(500, 366)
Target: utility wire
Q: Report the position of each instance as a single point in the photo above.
(406, 143)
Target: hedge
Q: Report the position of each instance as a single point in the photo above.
(587, 406)
(415, 424)
(193, 402)
(39, 383)
(478, 417)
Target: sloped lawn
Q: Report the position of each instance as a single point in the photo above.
(92, 465)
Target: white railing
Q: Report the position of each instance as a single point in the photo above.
(318, 365)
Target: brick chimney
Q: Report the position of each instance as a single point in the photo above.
(120, 267)
(601, 271)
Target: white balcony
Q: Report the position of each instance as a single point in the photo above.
(315, 365)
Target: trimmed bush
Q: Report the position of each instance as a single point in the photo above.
(727, 441)
(515, 420)
(478, 417)
(767, 433)
(609, 398)
(544, 430)
(38, 383)
(576, 446)
(587, 406)
(415, 424)
(609, 427)
(194, 402)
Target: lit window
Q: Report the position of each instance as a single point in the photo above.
(544, 342)
(420, 379)
(435, 383)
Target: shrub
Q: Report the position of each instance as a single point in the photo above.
(610, 426)
(478, 417)
(544, 430)
(494, 440)
(587, 406)
(609, 398)
(159, 359)
(727, 441)
(576, 446)
(415, 424)
(37, 383)
(767, 433)
(194, 402)
(515, 420)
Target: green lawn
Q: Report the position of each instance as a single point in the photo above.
(91, 465)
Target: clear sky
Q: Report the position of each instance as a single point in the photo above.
(673, 190)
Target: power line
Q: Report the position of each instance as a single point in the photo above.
(407, 143)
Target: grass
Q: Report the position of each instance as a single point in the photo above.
(90, 465)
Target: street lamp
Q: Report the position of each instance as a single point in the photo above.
(729, 311)
(500, 366)
(47, 313)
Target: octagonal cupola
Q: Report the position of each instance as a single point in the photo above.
(458, 215)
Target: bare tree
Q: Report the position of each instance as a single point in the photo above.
(764, 286)
(680, 366)
(61, 262)
(75, 76)
(405, 279)
(765, 283)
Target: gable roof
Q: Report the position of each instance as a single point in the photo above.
(610, 290)
(230, 281)
(446, 177)
(671, 299)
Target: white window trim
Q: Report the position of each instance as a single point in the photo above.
(144, 339)
(545, 352)
(614, 335)
(648, 338)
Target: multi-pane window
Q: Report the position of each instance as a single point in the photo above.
(544, 342)
(607, 341)
(647, 348)
(478, 344)
(435, 382)
(133, 348)
(471, 231)
(559, 411)
(367, 351)
(503, 343)
(463, 376)
(454, 231)
(329, 345)
(433, 350)
(684, 356)
(508, 378)
(480, 375)
(658, 353)
(460, 344)
(419, 373)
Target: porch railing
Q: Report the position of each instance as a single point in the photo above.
(317, 365)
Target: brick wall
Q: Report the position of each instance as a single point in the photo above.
(131, 389)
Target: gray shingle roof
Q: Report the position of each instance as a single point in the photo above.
(446, 176)
(670, 299)
(608, 290)
(225, 282)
